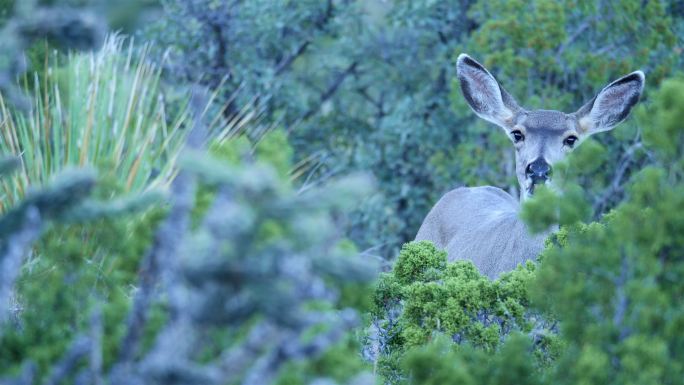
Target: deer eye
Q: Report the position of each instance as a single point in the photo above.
(570, 141)
(517, 136)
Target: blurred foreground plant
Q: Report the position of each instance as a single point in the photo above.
(65, 200)
(257, 284)
(105, 110)
(263, 259)
(27, 24)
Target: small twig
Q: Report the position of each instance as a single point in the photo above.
(285, 64)
(331, 90)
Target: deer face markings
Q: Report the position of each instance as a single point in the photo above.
(541, 138)
(544, 137)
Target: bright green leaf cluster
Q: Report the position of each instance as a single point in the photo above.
(434, 297)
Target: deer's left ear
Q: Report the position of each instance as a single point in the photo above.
(612, 105)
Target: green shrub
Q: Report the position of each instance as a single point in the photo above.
(433, 297)
(614, 286)
(73, 268)
(442, 363)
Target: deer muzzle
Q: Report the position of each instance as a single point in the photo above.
(539, 172)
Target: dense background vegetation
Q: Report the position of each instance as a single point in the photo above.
(213, 199)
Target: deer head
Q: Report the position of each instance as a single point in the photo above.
(544, 137)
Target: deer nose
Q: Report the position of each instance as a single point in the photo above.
(539, 171)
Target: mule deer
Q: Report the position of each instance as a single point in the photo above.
(481, 224)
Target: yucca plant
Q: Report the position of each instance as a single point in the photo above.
(104, 109)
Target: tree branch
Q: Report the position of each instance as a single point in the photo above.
(331, 90)
(286, 63)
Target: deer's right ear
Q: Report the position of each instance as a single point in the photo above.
(483, 93)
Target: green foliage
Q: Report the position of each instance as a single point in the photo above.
(274, 149)
(77, 269)
(434, 297)
(271, 148)
(569, 208)
(73, 268)
(441, 362)
(120, 15)
(340, 363)
(351, 85)
(69, 271)
(664, 118)
(419, 262)
(556, 42)
(103, 110)
(613, 285)
(370, 85)
(263, 242)
(6, 7)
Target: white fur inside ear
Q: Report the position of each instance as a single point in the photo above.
(586, 124)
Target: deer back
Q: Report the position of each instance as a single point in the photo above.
(481, 224)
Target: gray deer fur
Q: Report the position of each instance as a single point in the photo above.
(482, 224)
